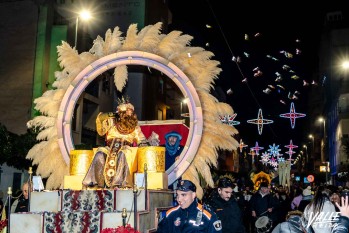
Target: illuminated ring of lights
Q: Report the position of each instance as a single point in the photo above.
(87, 75)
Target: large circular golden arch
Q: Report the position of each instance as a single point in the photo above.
(87, 75)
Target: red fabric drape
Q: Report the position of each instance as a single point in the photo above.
(162, 130)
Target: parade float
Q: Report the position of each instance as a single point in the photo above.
(65, 207)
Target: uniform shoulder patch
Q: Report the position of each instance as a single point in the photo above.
(206, 212)
(217, 225)
(173, 209)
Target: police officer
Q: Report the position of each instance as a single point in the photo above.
(189, 215)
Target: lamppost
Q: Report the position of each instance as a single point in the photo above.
(306, 155)
(323, 143)
(85, 15)
(313, 147)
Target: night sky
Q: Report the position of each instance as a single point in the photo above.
(275, 30)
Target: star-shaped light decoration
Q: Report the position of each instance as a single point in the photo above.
(223, 119)
(257, 148)
(265, 157)
(242, 145)
(293, 115)
(273, 162)
(281, 159)
(229, 120)
(260, 121)
(291, 146)
(274, 150)
(290, 151)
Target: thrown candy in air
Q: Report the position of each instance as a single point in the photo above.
(295, 77)
(207, 44)
(288, 55)
(257, 34)
(277, 74)
(285, 67)
(291, 71)
(289, 95)
(278, 79)
(189, 55)
(258, 73)
(267, 91)
(246, 37)
(233, 58)
(271, 86)
(229, 92)
(208, 26)
(246, 54)
(244, 80)
(298, 40)
(271, 57)
(238, 59)
(283, 102)
(281, 87)
(314, 83)
(305, 83)
(298, 51)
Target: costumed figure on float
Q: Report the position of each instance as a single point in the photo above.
(173, 148)
(109, 166)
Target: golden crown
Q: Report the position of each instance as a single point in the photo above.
(124, 104)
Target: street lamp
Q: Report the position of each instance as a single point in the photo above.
(312, 149)
(345, 65)
(306, 155)
(85, 15)
(323, 144)
(322, 120)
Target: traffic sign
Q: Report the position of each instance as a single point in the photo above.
(310, 178)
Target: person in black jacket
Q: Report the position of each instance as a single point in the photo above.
(189, 215)
(261, 203)
(227, 209)
(22, 203)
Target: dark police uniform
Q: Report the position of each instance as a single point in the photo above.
(195, 218)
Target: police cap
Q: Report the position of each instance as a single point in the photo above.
(186, 185)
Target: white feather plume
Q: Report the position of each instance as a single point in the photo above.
(120, 77)
(131, 42)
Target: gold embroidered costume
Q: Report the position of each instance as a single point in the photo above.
(109, 166)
